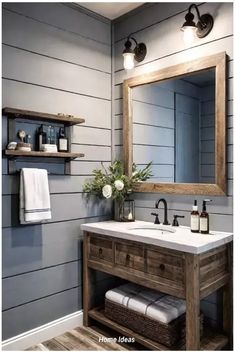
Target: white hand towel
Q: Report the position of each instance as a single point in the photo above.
(34, 196)
(166, 309)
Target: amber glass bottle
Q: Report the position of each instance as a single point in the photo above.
(195, 218)
(204, 219)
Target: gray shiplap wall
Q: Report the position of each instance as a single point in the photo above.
(158, 26)
(56, 58)
(208, 134)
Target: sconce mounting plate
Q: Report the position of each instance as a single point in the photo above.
(204, 25)
(140, 52)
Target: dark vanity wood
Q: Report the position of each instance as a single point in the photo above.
(184, 275)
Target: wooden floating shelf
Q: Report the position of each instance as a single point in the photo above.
(211, 341)
(20, 113)
(68, 155)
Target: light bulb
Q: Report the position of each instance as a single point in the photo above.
(128, 61)
(189, 34)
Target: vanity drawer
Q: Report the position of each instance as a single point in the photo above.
(100, 249)
(130, 256)
(165, 264)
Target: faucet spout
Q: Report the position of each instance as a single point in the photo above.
(165, 210)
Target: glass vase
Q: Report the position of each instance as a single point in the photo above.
(124, 211)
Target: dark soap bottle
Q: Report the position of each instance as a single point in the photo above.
(62, 141)
(204, 219)
(41, 138)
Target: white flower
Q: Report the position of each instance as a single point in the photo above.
(119, 185)
(107, 191)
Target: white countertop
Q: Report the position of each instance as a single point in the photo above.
(183, 239)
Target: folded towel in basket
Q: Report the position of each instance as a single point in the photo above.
(154, 304)
(123, 293)
(166, 309)
(34, 196)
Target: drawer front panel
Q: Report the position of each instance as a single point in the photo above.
(100, 249)
(130, 256)
(165, 265)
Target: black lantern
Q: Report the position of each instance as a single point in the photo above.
(138, 53)
(201, 29)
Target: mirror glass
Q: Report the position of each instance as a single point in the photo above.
(174, 127)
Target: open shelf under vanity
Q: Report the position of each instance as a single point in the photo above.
(210, 341)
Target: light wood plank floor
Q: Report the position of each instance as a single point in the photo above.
(79, 339)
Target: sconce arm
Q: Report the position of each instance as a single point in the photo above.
(134, 40)
(198, 13)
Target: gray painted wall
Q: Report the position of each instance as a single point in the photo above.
(56, 59)
(158, 26)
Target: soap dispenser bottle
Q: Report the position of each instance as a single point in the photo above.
(195, 218)
(204, 219)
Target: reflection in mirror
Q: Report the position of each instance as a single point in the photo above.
(174, 126)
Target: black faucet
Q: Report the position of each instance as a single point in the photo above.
(165, 210)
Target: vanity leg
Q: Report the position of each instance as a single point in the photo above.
(192, 282)
(228, 300)
(88, 283)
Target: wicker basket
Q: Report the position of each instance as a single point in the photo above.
(170, 335)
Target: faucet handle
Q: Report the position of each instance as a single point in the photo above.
(175, 222)
(156, 218)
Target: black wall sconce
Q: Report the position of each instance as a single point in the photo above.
(201, 29)
(138, 53)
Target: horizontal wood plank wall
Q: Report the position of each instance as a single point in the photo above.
(158, 26)
(56, 59)
(208, 134)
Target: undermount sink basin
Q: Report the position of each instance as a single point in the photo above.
(157, 229)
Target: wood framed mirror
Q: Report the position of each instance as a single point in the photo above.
(176, 118)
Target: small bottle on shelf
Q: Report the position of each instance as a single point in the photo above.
(52, 136)
(62, 141)
(41, 138)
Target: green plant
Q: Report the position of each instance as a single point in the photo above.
(113, 183)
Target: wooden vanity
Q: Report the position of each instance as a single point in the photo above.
(183, 274)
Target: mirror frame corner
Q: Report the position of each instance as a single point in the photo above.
(216, 61)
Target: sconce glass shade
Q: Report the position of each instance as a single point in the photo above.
(128, 60)
(189, 34)
(201, 29)
(137, 54)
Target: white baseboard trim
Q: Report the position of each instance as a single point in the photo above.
(43, 333)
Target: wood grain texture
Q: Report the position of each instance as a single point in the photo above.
(81, 339)
(228, 298)
(192, 281)
(211, 340)
(32, 115)
(172, 272)
(98, 315)
(218, 62)
(66, 155)
(88, 282)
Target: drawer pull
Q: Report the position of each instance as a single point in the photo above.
(100, 251)
(162, 267)
(128, 257)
